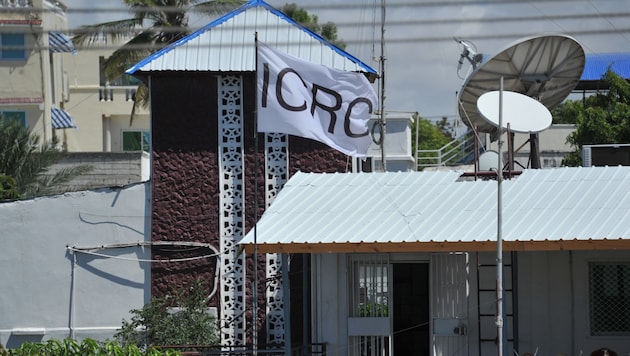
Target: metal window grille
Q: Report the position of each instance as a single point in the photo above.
(609, 289)
(369, 278)
(369, 345)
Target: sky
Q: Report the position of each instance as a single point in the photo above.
(421, 55)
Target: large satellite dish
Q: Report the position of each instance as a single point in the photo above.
(546, 68)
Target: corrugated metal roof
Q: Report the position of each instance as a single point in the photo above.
(544, 205)
(597, 64)
(228, 44)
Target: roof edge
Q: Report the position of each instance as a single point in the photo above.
(250, 4)
(437, 246)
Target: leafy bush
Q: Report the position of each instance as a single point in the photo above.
(180, 318)
(70, 347)
(26, 161)
(8, 188)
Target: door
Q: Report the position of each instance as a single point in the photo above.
(411, 318)
(449, 306)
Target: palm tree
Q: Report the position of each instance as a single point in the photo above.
(24, 163)
(168, 23)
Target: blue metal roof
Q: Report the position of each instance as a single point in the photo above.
(597, 64)
(227, 44)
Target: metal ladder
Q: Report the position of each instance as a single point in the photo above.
(487, 301)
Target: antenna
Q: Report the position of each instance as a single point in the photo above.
(469, 52)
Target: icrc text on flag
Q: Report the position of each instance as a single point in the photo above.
(305, 99)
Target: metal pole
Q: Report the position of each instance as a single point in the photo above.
(305, 304)
(500, 232)
(256, 163)
(286, 296)
(383, 118)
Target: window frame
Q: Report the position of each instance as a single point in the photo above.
(594, 329)
(22, 119)
(22, 52)
(145, 135)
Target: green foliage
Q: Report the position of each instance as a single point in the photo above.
(567, 112)
(8, 187)
(25, 161)
(430, 136)
(70, 347)
(328, 30)
(374, 310)
(158, 324)
(446, 127)
(600, 118)
(167, 23)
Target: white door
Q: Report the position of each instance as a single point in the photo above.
(449, 304)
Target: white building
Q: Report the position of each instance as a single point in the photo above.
(101, 108)
(57, 91)
(31, 43)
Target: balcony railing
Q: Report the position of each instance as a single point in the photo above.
(107, 93)
(458, 151)
(16, 3)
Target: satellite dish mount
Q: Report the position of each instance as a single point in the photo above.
(469, 52)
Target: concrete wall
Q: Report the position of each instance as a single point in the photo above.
(49, 291)
(108, 169)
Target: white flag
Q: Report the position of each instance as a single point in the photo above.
(305, 99)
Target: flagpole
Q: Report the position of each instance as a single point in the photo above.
(383, 118)
(255, 288)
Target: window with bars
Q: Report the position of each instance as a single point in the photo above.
(369, 277)
(369, 286)
(609, 290)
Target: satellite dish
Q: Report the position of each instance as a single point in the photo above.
(489, 161)
(546, 67)
(522, 113)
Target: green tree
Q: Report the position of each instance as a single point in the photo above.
(168, 22)
(328, 30)
(24, 163)
(446, 127)
(429, 134)
(430, 138)
(180, 318)
(600, 118)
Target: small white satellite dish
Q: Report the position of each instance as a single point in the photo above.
(489, 161)
(522, 113)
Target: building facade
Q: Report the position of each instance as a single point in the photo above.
(32, 41)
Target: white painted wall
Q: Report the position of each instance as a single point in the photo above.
(329, 302)
(99, 123)
(553, 301)
(48, 291)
